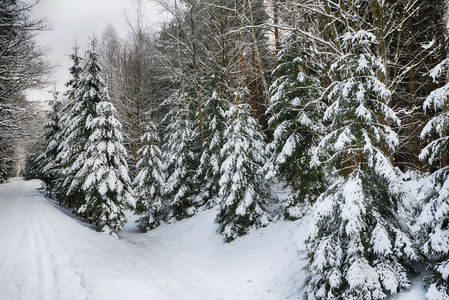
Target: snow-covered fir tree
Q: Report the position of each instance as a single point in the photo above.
(208, 173)
(76, 71)
(295, 116)
(92, 151)
(46, 162)
(5, 170)
(181, 160)
(71, 142)
(104, 173)
(244, 195)
(89, 93)
(434, 219)
(357, 247)
(150, 181)
(92, 156)
(6, 163)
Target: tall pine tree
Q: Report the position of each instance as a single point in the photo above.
(208, 173)
(357, 248)
(92, 156)
(104, 173)
(244, 195)
(434, 219)
(46, 162)
(295, 117)
(181, 160)
(71, 141)
(150, 181)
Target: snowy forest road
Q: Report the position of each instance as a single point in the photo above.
(34, 262)
(46, 254)
(25, 263)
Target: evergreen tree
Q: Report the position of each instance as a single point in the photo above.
(104, 173)
(71, 143)
(89, 93)
(92, 155)
(295, 116)
(46, 162)
(434, 233)
(181, 161)
(76, 71)
(244, 195)
(357, 248)
(208, 174)
(6, 165)
(149, 182)
(409, 27)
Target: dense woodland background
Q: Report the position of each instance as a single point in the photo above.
(331, 100)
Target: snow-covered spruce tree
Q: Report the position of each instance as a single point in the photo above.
(46, 161)
(357, 248)
(92, 153)
(295, 116)
(244, 194)
(208, 173)
(150, 181)
(6, 164)
(71, 140)
(181, 160)
(433, 236)
(104, 173)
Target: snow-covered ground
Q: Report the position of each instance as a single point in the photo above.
(45, 253)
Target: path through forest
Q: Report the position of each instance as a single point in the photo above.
(47, 254)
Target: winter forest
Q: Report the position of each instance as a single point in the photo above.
(266, 111)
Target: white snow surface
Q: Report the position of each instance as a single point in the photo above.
(46, 253)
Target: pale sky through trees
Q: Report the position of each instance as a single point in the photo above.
(78, 20)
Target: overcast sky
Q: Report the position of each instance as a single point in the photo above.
(72, 20)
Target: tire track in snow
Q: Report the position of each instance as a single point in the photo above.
(19, 262)
(32, 265)
(45, 254)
